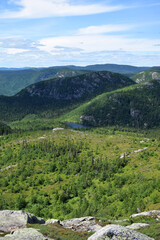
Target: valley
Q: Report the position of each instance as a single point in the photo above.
(83, 144)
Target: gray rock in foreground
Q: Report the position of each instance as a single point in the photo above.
(25, 234)
(87, 224)
(117, 232)
(12, 220)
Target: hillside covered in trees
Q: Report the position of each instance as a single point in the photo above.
(56, 96)
(14, 80)
(135, 106)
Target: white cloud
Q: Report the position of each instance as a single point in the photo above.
(51, 8)
(92, 30)
(92, 43)
(92, 46)
(17, 42)
(42, 59)
(14, 51)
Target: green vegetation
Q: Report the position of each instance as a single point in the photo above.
(12, 81)
(4, 129)
(134, 106)
(51, 98)
(108, 171)
(147, 75)
(51, 174)
(57, 232)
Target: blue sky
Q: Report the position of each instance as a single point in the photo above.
(41, 33)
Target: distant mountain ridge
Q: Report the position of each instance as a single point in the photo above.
(14, 80)
(5, 68)
(112, 68)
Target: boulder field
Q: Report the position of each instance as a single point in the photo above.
(15, 223)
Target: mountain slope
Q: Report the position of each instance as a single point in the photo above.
(136, 106)
(59, 95)
(147, 75)
(84, 86)
(12, 81)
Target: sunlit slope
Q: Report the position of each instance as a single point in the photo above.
(66, 173)
(147, 75)
(136, 106)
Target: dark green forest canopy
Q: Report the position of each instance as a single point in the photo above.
(57, 96)
(4, 129)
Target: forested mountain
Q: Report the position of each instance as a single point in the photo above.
(14, 80)
(136, 106)
(58, 94)
(147, 75)
(83, 86)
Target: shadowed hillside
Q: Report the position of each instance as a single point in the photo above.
(56, 96)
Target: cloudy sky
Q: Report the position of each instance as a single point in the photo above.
(45, 33)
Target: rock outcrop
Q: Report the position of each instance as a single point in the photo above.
(52, 221)
(152, 213)
(117, 232)
(12, 220)
(87, 224)
(137, 226)
(25, 234)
